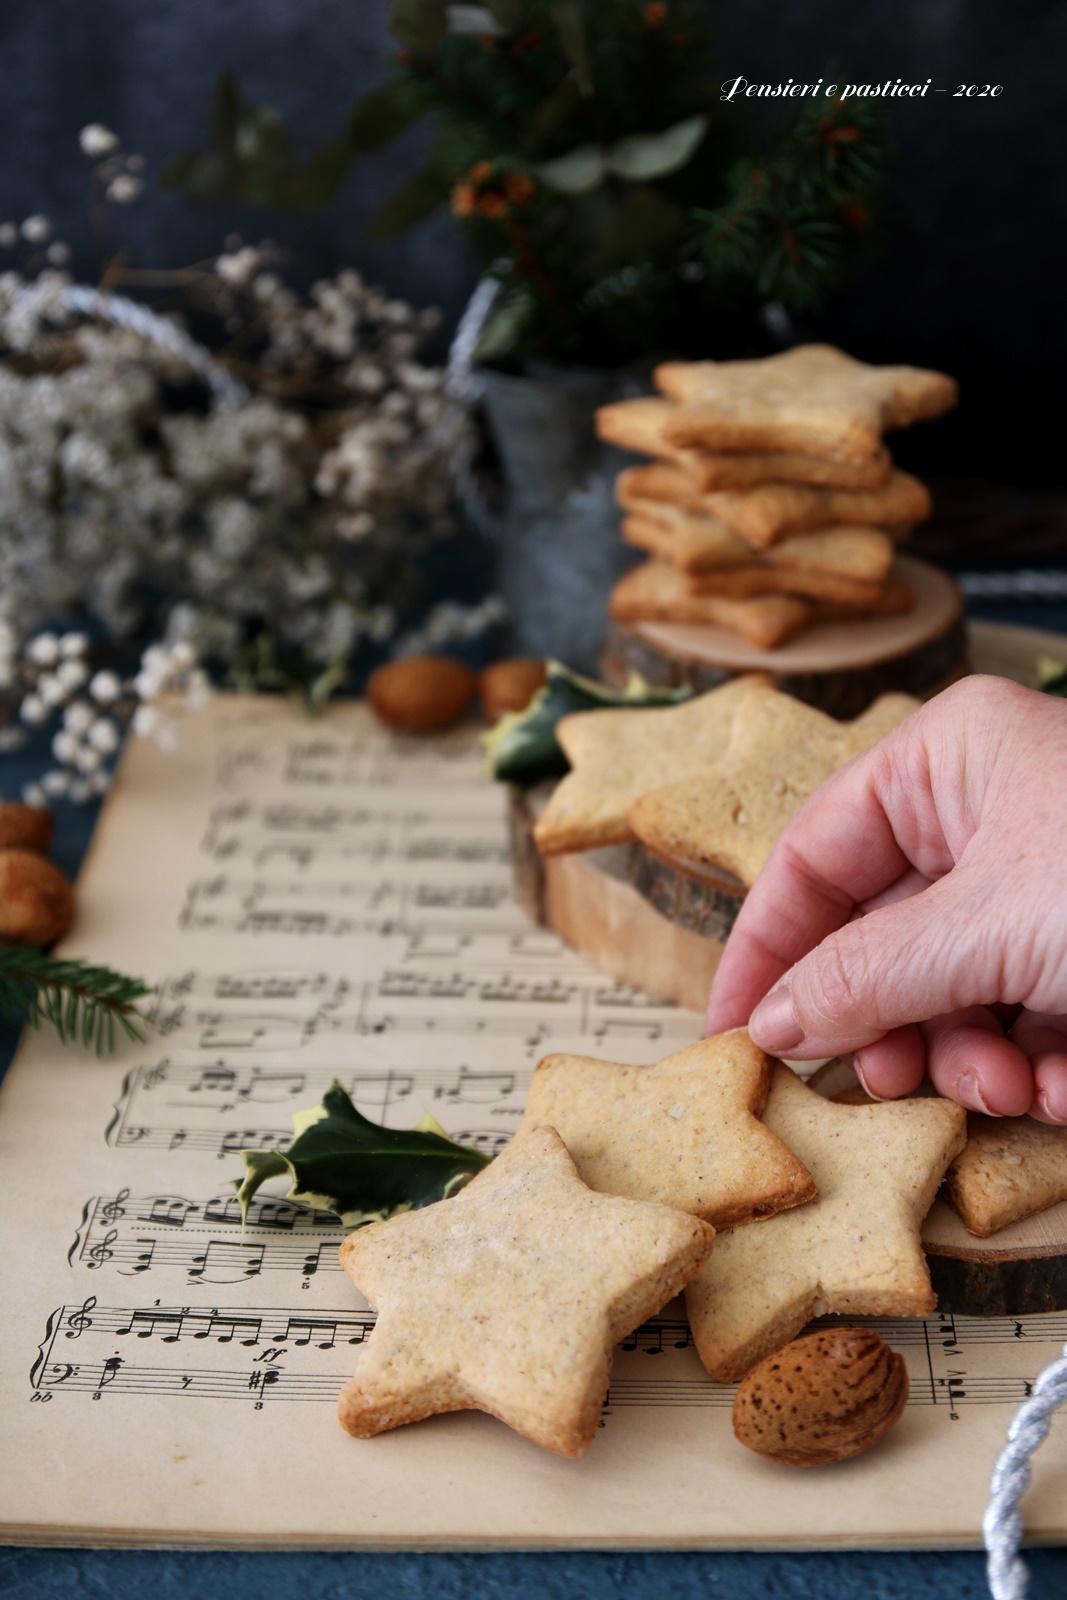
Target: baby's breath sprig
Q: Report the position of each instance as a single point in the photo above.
(52, 679)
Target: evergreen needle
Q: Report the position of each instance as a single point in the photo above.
(80, 1001)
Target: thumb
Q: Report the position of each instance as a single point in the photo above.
(902, 963)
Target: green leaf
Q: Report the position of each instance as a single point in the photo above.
(654, 155)
(342, 1162)
(508, 14)
(381, 116)
(506, 326)
(577, 172)
(472, 20)
(225, 112)
(419, 25)
(644, 223)
(412, 203)
(570, 30)
(522, 747)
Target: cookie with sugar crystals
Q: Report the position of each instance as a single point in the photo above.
(774, 511)
(685, 1131)
(510, 1297)
(814, 400)
(657, 591)
(780, 751)
(640, 425)
(1011, 1168)
(855, 1248)
(616, 756)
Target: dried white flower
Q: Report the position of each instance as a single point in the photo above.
(72, 674)
(145, 721)
(44, 650)
(33, 794)
(105, 687)
(104, 736)
(124, 189)
(36, 229)
(33, 709)
(78, 717)
(58, 253)
(9, 235)
(96, 140)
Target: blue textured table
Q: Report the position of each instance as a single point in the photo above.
(60, 1574)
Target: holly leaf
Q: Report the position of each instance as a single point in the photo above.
(522, 747)
(342, 1162)
(655, 155)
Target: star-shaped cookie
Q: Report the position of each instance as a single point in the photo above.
(511, 1297)
(684, 1132)
(616, 756)
(1012, 1168)
(854, 1249)
(780, 752)
(814, 399)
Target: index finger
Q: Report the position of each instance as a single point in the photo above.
(856, 836)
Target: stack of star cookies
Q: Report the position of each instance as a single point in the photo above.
(772, 502)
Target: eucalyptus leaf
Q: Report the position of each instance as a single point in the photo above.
(570, 30)
(412, 203)
(577, 172)
(655, 155)
(342, 1162)
(508, 14)
(225, 112)
(644, 223)
(379, 117)
(505, 327)
(419, 25)
(477, 20)
(522, 747)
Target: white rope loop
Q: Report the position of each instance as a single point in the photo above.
(1002, 1525)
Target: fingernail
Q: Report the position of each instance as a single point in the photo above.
(775, 1021)
(854, 1061)
(969, 1094)
(1049, 1112)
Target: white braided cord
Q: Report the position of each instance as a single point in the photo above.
(1028, 583)
(1002, 1525)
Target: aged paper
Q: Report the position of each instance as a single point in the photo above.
(319, 900)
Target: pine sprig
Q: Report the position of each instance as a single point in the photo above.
(83, 1003)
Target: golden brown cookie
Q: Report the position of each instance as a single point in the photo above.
(780, 752)
(639, 425)
(685, 1132)
(511, 1297)
(774, 511)
(616, 755)
(657, 592)
(853, 1249)
(1011, 1168)
(697, 543)
(814, 399)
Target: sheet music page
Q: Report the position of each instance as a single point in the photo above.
(324, 899)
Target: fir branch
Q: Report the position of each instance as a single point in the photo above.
(83, 1003)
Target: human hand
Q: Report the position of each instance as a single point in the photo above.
(922, 885)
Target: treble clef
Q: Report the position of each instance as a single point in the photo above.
(79, 1320)
(102, 1252)
(115, 1208)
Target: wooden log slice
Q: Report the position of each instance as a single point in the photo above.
(839, 667)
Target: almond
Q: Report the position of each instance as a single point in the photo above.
(825, 1397)
(421, 693)
(36, 901)
(25, 827)
(510, 685)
